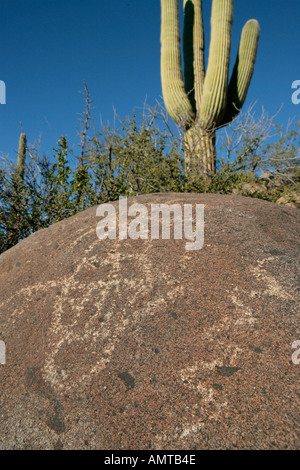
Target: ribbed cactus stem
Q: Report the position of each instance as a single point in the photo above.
(243, 71)
(200, 151)
(193, 51)
(203, 102)
(20, 170)
(175, 97)
(213, 103)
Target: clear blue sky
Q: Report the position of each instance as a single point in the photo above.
(48, 47)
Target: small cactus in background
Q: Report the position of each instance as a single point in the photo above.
(20, 170)
(204, 101)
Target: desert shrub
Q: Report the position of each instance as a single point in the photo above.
(143, 155)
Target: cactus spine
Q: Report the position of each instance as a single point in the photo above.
(204, 100)
(20, 170)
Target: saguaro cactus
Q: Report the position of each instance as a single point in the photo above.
(204, 100)
(20, 170)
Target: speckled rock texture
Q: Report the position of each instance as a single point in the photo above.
(141, 344)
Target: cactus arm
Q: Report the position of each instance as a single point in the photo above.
(205, 101)
(193, 50)
(176, 100)
(20, 170)
(243, 71)
(214, 99)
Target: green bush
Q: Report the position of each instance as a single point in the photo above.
(143, 156)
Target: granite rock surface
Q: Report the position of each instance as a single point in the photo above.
(142, 344)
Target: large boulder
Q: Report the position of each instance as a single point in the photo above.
(143, 344)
